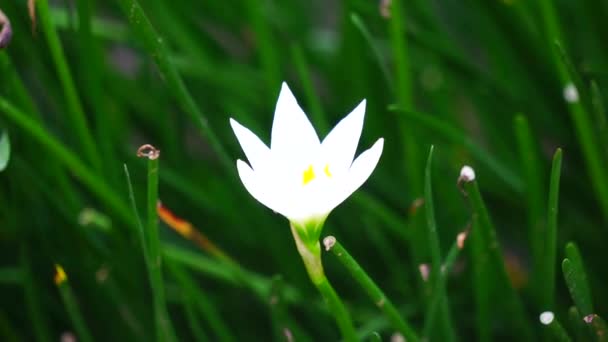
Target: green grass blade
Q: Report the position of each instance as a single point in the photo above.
(200, 302)
(404, 95)
(445, 325)
(157, 48)
(226, 272)
(71, 305)
(587, 139)
(77, 118)
(370, 287)
(140, 227)
(439, 293)
(550, 248)
(164, 328)
(534, 192)
(489, 260)
(599, 112)
(576, 280)
(68, 159)
(5, 150)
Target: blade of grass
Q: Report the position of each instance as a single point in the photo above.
(5, 150)
(157, 48)
(77, 118)
(164, 328)
(66, 157)
(581, 333)
(138, 223)
(195, 297)
(600, 116)
(267, 52)
(91, 72)
(490, 261)
(439, 290)
(585, 134)
(193, 323)
(226, 272)
(370, 287)
(71, 306)
(550, 248)
(446, 330)
(576, 280)
(404, 95)
(531, 169)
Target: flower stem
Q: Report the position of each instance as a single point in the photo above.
(373, 291)
(311, 255)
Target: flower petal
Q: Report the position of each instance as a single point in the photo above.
(293, 137)
(359, 172)
(258, 188)
(258, 154)
(340, 145)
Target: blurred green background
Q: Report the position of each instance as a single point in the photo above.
(497, 85)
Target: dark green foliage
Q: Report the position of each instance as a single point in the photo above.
(498, 85)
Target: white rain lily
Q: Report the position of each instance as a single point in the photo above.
(299, 176)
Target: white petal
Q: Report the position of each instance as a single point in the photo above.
(293, 137)
(258, 188)
(359, 172)
(258, 154)
(340, 145)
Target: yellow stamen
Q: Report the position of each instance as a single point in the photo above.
(309, 175)
(326, 169)
(60, 275)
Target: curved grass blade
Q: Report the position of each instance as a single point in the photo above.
(76, 113)
(157, 48)
(370, 287)
(534, 193)
(576, 280)
(446, 329)
(550, 248)
(5, 150)
(489, 260)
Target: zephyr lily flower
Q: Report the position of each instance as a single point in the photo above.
(299, 176)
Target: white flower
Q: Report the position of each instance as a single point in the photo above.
(299, 176)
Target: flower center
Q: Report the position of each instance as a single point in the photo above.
(309, 174)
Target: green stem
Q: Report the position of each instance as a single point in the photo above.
(435, 251)
(164, 330)
(77, 116)
(311, 255)
(550, 248)
(373, 291)
(71, 306)
(489, 259)
(156, 46)
(67, 158)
